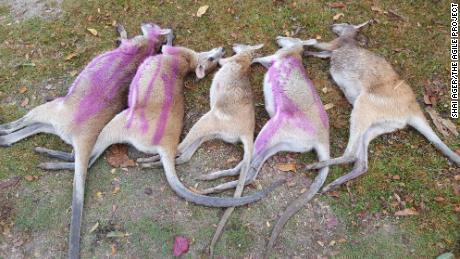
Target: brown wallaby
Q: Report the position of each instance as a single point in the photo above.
(96, 96)
(298, 122)
(154, 118)
(382, 101)
(231, 118)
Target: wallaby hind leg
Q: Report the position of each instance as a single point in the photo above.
(54, 166)
(422, 125)
(256, 165)
(204, 129)
(223, 173)
(66, 156)
(42, 114)
(10, 127)
(361, 164)
(9, 139)
(112, 133)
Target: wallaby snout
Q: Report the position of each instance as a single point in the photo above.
(207, 61)
(342, 29)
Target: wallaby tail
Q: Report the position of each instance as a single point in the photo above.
(302, 200)
(167, 159)
(248, 146)
(421, 125)
(82, 154)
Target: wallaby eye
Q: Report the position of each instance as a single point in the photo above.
(211, 59)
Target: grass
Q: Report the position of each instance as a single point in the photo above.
(424, 174)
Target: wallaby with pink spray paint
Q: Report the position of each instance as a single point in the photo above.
(96, 96)
(298, 123)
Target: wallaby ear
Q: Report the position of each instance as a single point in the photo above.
(266, 61)
(359, 26)
(224, 61)
(200, 71)
(259, 46)
(165, 31)
(309, 42)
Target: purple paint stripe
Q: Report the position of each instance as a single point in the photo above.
(105, 84)
(286, 111)
(107, 74)
(267, 132)
(169, 85)
(134, 93)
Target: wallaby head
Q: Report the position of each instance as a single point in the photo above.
(347, 30)
(207, 61)
(244, 55)
(150, 39)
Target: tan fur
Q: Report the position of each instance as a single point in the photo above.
(382, 101)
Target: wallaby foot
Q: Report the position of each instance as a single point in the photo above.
(56, 154)
(57, 166)
(223, 173)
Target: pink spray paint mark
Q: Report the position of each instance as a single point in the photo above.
(285, 109)
(169, 82)
(107, 75)
(134, 93)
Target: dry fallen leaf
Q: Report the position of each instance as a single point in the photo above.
(92, 31)
(457, 177)
(286, 167)
(70, 56)
(22, 90)
(328, 106)
(407, 212)
(439, 199)
(396, 177)
(337, 5)
(30, 178)
(73, 73)
(117, 234)
(337, 16)
(99, 195)
(116, 190)
(118, 156)
(25, 102)
(94, 227)
(202, 10)
(446, 127)
(376, 9)
(431, 93)
(114, 249)
(342, 240)
(334, 194)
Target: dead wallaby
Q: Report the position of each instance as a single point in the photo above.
(231, 118)
(154, 118)
(298, 122)
(96, 96)
(382, 101)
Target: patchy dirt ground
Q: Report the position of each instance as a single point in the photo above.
(142, 219)
(27, 9)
